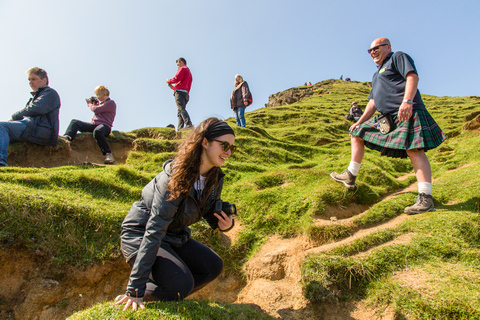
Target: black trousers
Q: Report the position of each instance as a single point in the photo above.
(100, 133)
(180, 271)
(181, 99)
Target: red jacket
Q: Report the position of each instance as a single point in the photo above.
(182, 80)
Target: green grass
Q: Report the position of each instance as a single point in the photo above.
(448, 237)
(185, 310)
(279, 180)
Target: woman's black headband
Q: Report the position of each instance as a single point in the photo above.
(218, 129)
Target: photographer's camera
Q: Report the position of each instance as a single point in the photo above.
(229, 208)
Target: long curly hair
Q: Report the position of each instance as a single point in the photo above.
(186, 165)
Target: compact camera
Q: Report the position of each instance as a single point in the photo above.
(228, 208)
(92, 99)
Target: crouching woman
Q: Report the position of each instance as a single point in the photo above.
(155, 239)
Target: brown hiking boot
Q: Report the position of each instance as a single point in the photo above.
(109, 159)
(346, 178)
(423, 203)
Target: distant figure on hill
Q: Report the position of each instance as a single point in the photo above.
(355, 112)
(38, 121)
(155, 240)
(240, 99)
(181, 84)
(347, 79)
(411, 131)
(309, 83)
(104, 110)
(341, 77)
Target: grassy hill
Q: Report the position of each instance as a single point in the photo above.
(279, 180)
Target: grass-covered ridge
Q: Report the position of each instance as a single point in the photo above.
(279, 180)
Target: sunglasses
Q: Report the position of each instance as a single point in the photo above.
(376, 47)
(227, 146)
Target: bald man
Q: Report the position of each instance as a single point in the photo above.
(394, 92)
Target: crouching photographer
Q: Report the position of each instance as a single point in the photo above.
(155, 239)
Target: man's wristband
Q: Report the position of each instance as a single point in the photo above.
(409, 101)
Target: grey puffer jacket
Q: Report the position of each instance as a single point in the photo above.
(43, 109)
(155, 219)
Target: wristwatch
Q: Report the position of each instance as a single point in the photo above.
(409, 101)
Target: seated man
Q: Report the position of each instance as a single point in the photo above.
(355, 112)
(38, 121)
(101, 123)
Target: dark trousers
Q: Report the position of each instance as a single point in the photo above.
(100, 132)
(180, 271)
(181, 99)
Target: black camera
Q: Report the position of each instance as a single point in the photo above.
(228, 208)
(92, 99)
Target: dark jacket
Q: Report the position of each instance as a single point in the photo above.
(155, 219)
(43, 109)
(239, 95)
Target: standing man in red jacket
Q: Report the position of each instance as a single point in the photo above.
(181, 84)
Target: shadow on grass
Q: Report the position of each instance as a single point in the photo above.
(471, 205)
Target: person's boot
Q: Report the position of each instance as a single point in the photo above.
(346, 178)
(423, 203)
(109, 159)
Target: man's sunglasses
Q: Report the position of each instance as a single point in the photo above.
(227, 146)
(376, 47)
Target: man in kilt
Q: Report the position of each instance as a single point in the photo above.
(394, 91)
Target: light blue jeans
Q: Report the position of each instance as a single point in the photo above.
(10, 131)
(240, 116)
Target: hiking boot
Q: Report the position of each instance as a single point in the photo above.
(346, 178)
(109, 159)
(65, 138)
(423, 203)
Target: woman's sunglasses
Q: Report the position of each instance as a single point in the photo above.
(227, 146)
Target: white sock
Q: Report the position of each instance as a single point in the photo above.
(354, 167)
(425, 187)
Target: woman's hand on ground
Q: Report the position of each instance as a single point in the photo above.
(130, 301)
(224, 222)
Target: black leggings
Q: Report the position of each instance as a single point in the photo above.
(180, 271)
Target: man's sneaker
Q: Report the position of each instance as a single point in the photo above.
(65, 138)
(346, 178)
(423, 203)
(109, 159)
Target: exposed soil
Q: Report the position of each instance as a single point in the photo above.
(30, 288)
(83, 150)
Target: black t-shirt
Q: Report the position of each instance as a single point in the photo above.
(388, 83)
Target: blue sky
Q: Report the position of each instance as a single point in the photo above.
(131, 47)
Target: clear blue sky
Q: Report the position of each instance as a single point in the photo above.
(131, 47)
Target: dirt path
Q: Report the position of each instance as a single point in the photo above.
(274, 276)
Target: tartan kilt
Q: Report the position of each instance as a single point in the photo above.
(418, 132)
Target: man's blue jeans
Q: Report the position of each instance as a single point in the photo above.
(10, 131)
(240, 116)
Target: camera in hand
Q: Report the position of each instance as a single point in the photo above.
(92, 99)
(228, 208)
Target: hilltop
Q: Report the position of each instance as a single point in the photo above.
(304, 247)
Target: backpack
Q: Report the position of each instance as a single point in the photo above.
(249, 98)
